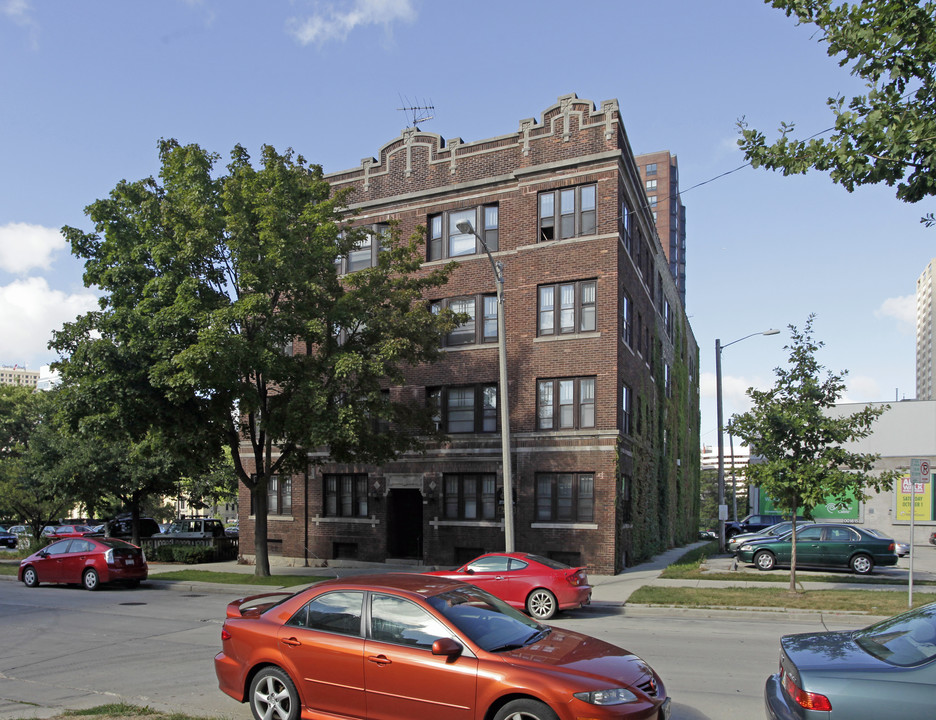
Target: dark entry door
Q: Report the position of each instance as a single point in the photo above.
(404, 523)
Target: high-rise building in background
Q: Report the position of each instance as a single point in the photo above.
(925, 337)
(16, 375)
(660, 173)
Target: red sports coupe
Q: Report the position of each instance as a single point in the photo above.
(392, 646)
(528, 582)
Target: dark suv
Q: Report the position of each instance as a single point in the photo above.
(752, 523)
(122, 527)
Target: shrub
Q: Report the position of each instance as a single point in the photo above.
(187, 554)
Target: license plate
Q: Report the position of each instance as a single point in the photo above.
(129, 561)
(665, 710)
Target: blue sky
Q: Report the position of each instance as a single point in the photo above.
(87, 89)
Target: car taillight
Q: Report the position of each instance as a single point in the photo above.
(109, 557)
(806, 700)
(892, 547)
(577, 578)
(225, 635)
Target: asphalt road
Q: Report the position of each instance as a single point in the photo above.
(66, 647)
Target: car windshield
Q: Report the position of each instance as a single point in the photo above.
(904, 640)
(487, 621)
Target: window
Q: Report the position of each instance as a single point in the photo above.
(336, 612)
(445, 240)
(626, 409)
(627, 222)
(565, 497)
(468, 409)
(365, 252)
(471, 332)
(571, 211)
(279, 495)
(469, 496)
(565, 404)
(652, 200)
(567, 308)
(346, 495)
(627, 319)
(652, 169)
(651, 185)
(399, 621)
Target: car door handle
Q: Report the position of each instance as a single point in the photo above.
(380, 659)
(291, 642)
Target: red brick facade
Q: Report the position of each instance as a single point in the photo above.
(574, 145)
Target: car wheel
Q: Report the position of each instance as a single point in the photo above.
(273, 696)
(30, 578)
(90, 579)
(765, 560)
(862, 564)
(526, 710)
(541, 604)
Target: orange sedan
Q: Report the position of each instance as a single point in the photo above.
(410, 646)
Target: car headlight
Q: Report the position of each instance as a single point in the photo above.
(745, 548)
(614, 696)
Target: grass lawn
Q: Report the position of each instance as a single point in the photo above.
(869, 602)
(689, 567)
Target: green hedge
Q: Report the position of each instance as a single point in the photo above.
(188, 554)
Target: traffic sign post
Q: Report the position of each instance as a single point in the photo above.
(919, 477)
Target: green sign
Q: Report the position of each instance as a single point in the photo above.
(831, 510)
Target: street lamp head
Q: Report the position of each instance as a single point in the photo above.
(464, 226)
(772, 331)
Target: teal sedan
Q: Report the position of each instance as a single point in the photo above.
(823, 545)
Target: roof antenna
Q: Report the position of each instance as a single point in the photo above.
(416, 114)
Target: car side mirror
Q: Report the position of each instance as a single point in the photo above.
(469, 571)
(448, 647)
(43, 554)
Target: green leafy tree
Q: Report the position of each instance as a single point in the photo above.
(28, 442)
(223, 307)
(806, 461)
(887, 135)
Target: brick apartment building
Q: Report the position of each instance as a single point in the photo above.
(602, 363)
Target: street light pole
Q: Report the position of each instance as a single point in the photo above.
(464, 226)
(722, 508)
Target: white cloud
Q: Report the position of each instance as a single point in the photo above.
(24, 247)
(20, 13)
(336, 24)
(861, 388)
(29, 311)
(903, 309)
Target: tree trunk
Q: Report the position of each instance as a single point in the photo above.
(261, 553)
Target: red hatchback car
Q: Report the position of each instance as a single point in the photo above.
(409, 646)
(539, 586)
(90, 561)
(68, 531)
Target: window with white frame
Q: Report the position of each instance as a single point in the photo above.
(567, 213)
(481, 325)
(651, 185)
(626, 409)
(469, 496)
(565, 403)
(464, 409)
(565, 497)
(567, 308)
(445, 240)
(627, 319)
(651, 169)
(366, 250)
